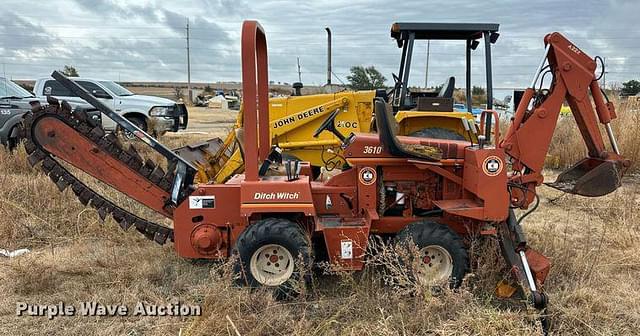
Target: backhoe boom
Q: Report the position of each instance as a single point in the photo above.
(527, 140)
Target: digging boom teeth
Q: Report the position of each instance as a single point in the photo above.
(105, 143)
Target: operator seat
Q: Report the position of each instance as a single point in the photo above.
(447, 88)
(387, 130)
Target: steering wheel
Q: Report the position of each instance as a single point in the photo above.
(397, 84)
(329, 125)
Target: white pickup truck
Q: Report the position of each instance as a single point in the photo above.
(154, 115)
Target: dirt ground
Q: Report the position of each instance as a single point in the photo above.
(74, 258)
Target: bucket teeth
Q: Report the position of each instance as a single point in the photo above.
(65, 106)
(103, 213)
(48, 164)
(85, 196)
(36, 157)
(96, 133)
(79, 113)
(161, 235)
(148, 168)
(166, 183)
(84, 129)
(133, 152)
(52, 100)
(35, 106)
(157, 175)
(97, 202)
(127, 221)
(54, 176)
(63, 179)
(29, 147)
(62, 183)
(77, 188)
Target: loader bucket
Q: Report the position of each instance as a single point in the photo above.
(198, 154)
(591, 177)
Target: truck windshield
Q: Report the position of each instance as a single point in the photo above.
(11, 89)
(116, 88)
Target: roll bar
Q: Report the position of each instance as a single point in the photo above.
(255, 98)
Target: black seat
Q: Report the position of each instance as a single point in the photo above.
(447, 88)
(387, 130)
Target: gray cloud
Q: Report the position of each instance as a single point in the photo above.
(136, 40)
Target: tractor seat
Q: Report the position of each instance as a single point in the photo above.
(450, 149)
(447, 88)
(387, 129)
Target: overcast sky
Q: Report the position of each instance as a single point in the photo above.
(144, 40)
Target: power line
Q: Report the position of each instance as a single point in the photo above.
(189, 66)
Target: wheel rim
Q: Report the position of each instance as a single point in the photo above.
(434, 265)
(271, 265)
(129, 135)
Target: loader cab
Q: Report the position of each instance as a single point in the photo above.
(469, 34)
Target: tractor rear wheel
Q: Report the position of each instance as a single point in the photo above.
(274, 253)
(441, 254)
(437, 133)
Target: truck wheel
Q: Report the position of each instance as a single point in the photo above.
(442, 256)
(270, 252)
(437, 133)
(139, 122)
(14, 138)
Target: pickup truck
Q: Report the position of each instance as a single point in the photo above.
(153, 115)
(14, 103)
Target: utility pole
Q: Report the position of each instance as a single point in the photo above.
(426, 73)
(604, 73)
(328, 56)
(189, 66)
(299, 73)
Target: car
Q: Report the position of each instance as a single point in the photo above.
(14, 103)
(154, 115)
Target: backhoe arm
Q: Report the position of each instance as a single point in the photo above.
(527, 140)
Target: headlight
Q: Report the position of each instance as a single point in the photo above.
(159, 111)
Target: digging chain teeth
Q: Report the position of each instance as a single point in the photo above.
(63, 179)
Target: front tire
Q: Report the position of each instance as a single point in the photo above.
(272, 253)
(140, 122)
(442, 256)
(14, 138)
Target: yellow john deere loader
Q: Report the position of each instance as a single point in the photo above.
(295, 119)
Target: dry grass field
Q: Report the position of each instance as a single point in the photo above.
(593, 244)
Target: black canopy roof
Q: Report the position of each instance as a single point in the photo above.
(441, 31)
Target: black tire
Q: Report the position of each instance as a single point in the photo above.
(140, 122)
(13, 141)
(425, 233)
(437, 133)
(288, 235)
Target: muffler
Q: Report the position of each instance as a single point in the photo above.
(592, 177)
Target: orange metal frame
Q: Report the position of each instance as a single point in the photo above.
(469, 184)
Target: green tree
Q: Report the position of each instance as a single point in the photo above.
(368, 78)
(70, 71)
(631, 88)
(478, 91)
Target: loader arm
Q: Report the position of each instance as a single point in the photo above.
(529, 136)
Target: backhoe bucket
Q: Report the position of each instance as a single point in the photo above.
(591, 177)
